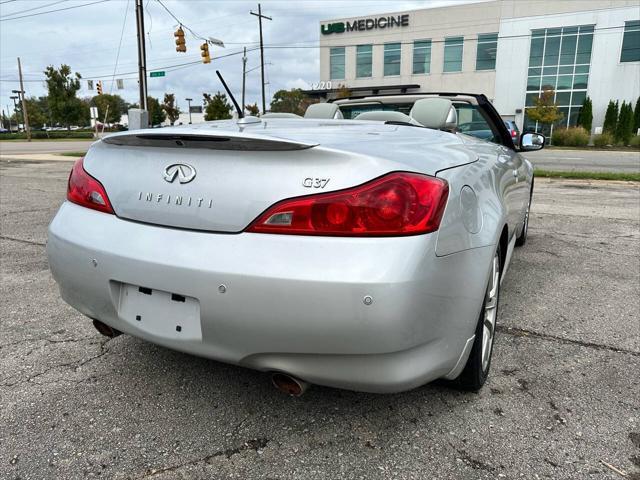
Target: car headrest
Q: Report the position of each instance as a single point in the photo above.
(385, 116)
(324, 111)
(279, 115)
(435, 112)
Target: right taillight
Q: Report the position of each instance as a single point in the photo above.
(399, 203)
(86, 191)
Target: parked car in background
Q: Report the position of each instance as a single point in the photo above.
(514, 131)
(362, 253)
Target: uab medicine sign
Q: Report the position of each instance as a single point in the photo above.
(364, 24)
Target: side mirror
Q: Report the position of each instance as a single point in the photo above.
(451, 123)
(530, 142)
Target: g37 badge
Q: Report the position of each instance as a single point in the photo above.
(312, 182)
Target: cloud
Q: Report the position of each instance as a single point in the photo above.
(297, 83)
(87, 39)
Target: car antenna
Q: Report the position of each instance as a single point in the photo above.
(224, 84)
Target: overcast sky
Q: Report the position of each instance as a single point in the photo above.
(87, 39)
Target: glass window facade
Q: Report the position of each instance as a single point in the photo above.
(336, 63)
(392, 59)
(453, 47)
(631, 42)
(486, 52)
(364, 61)
(421, 57)
(559, 59)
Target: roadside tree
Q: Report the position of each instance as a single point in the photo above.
(290, 101)
(585, 118)
(624, 125)
(216, 107)
(62, 85)
(636, 117)
(610, 117)
(156, 114)
(252, 109)
(545, 111)
(113, 106)
(170, 108)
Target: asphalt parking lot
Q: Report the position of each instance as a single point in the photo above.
(563, 400)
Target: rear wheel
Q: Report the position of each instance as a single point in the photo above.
(476, 370)
(522, 238)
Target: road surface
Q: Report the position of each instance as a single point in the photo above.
(562, 401)
(585, 160)
(9, 147)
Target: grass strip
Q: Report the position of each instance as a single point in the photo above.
(72, 154)
(625, 176)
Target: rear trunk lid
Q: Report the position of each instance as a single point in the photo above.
(220, 179)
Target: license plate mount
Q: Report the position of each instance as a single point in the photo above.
(161, 313)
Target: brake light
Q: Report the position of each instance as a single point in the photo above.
(399, 203)
(513, 134)
(86, 191)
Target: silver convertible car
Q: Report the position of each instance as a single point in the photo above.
(361, 247)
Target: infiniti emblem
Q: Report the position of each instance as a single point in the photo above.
(183, 172)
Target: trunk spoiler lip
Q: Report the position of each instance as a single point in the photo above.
(219, 140)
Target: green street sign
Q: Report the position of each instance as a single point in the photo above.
(157, 74)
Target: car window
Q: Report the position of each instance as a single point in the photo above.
(472, 122)
(353, 110)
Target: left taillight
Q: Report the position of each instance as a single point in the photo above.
(86, 191)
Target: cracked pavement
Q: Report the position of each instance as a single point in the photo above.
(562, 402)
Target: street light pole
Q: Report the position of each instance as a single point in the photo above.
(189, 100)
(25, 115)
(260, 17)
(142, 56)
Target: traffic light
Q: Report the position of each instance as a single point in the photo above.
(180, 44)
(205, 53)
(99, 87)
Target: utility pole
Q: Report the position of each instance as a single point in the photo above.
(244, 74)
(142, 56)
(189, 100)
(260, 17)
(25, 115)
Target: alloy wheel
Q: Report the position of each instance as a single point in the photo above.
(490, 312)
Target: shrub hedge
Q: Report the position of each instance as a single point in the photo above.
(570, 137)
(603, 140)
(38, 134)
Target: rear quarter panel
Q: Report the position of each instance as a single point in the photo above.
(476, 212)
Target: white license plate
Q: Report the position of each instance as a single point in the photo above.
(160, 313)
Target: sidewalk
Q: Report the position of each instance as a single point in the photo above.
(36, 157)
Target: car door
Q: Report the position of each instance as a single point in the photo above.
(481, 121)
(513, 181)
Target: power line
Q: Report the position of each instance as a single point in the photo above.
(122, 74)
(124, 23)
(52, 11)
(34, 8)
(180, 23)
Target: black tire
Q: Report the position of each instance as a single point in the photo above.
(474, 375)
(522, 238)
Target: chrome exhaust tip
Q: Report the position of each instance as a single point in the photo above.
(105, 329)
(288, 384)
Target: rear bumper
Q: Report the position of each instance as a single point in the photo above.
(290, 303)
